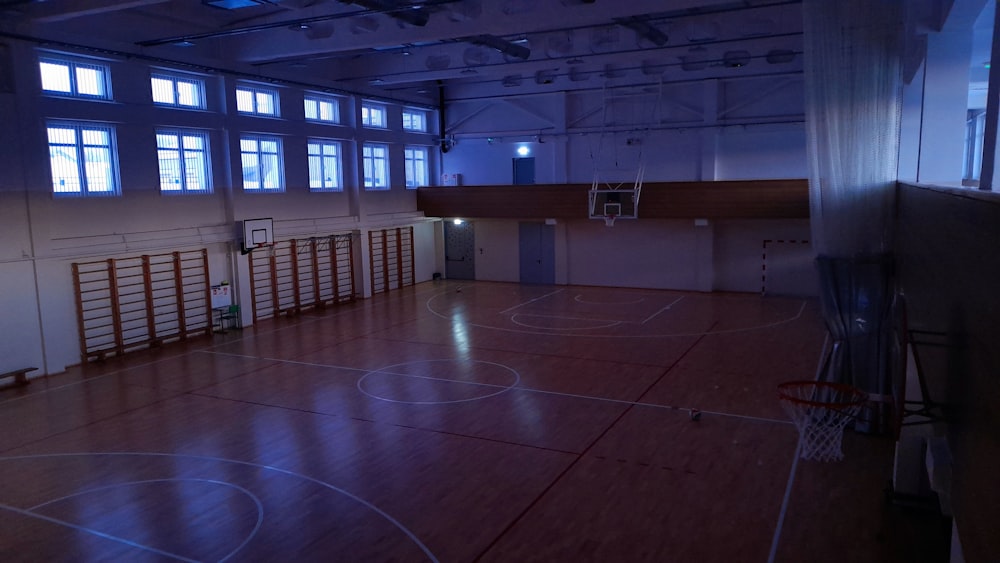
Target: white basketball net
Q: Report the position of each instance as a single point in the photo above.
(820, 411)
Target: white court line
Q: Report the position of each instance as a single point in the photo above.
(673, 335)
(406, 531)
(253, 497)
(525, 303)
(580, 299)
(791, 473)
(257, 333)
(95, 533)
(526, 389)
(607, 323)
(675, 301)
(386, 370)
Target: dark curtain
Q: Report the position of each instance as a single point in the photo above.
(856, 295)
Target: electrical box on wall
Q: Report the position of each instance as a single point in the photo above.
(451, 179)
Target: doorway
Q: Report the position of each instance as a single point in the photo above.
(524, 171)
(537, 242)
(459, 250)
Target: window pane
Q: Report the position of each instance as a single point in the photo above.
(315, 172)
(170, 170)
(251, 176)
(89, 81)
(327, 112)
(244, 101)
(62, 135)
(194, 142)
(98, 169)
(270, 171)
(188, 94)
(311, 112)
(91, 137)
(270, 147)
(265, 103)
(248, 145)
(65, 172)
(195, 175)
(165, 141)
(163, 90)
(331, 176)
(55, 77)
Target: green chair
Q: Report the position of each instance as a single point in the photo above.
(231, 315)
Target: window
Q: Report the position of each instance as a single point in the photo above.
(256, 101)
(414, 120)
(183, 157)
(73, 78)
(373, 115)
(974, 128)
(376, 164)
(319, 108)
(82, 158)
(176, 91)
(324, 165)
(416, 166)
(261, 164)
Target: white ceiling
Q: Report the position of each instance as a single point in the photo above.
(406, 49)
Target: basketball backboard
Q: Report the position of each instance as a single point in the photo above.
(257, 233)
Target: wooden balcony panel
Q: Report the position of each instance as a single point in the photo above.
(750, 199)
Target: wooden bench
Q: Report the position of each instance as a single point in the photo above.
(20, 376)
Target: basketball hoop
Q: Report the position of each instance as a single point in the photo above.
(609, 220)
(267, 247)
(821, 411)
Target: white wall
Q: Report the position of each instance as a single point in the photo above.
(725, 255)
(43, 235)
(741, 254)
(497, 250)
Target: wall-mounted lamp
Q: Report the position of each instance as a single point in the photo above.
(523, 150)
(458, 221)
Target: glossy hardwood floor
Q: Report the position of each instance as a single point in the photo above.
(449, 422)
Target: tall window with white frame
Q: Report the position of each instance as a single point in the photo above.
(324, 165)
(183, 158)
(325, 109)
(262, 164)
(179, 91)
(414, 120)
(254, 100)
(75, 78)
(415, 159)
(373, 115)
(375, 158)
(83, 159)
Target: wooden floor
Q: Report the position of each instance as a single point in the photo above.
(450, 422)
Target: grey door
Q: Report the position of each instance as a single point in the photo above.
(459, 251)
(537, 243)
(524, 170)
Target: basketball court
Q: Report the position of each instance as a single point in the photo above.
(448, 421)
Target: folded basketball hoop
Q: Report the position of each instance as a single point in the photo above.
(821, 411)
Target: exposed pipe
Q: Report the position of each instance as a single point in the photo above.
(410, 13)
(287, 23)
(445, 143)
